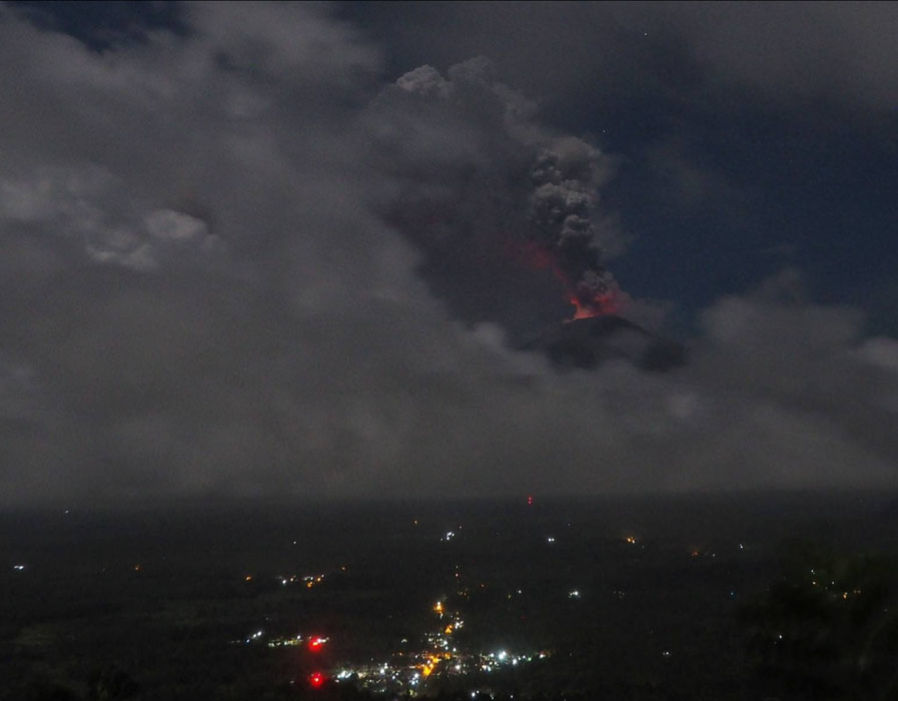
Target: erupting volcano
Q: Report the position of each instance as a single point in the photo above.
(597, 305)
(508, 225)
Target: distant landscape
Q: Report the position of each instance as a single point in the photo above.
(647, 598)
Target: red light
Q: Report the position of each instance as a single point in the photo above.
(315, 644)
(529, 501)
(316, 680)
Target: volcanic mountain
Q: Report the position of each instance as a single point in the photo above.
(587, 343)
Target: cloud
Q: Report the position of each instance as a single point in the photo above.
(840, 52)
(571, 53)
(210, 284)
(493, 199)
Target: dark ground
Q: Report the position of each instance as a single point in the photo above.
(145, 603)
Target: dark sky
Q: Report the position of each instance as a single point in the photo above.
(296, 249)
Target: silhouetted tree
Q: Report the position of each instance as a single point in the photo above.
(827, 628)
(110, 684)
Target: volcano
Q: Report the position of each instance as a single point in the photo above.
(587, 343)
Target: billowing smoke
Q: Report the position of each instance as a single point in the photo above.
(503, 212)
(562, 209)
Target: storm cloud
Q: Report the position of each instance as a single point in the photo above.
(241, 260)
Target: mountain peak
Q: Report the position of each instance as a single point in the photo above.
(587, 343)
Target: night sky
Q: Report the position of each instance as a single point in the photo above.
(278, 250)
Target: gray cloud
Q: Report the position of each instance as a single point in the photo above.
(493, 199)
(566, 51)
(199, 293)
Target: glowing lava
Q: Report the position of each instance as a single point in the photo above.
(590, 292)
(599, 305)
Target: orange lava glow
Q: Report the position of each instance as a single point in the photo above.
(537, 256)
(600, 305)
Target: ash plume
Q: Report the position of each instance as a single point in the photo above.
(562, 211)
(503, 212)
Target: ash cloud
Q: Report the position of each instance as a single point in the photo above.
(293, 331)
(493, 199)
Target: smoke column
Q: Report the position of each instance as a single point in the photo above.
(503, 211)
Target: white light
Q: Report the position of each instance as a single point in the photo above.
(18, 567)
(550, 539)
(503, 655)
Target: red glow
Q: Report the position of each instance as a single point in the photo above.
(316, 680)
(600, 305)
(530, 501)
(316, 643)
(587, 304)
(530, 254)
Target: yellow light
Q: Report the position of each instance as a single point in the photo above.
(438, 607)
(248, 578)
(448, 630)
(309, 584)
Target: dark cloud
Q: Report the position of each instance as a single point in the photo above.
(839, 51)
(505, 212)
(236, 261)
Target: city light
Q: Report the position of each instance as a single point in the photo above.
(317, 679)
(316, 643)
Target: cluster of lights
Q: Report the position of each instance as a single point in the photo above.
(252, 637)
(309, 580)
(438, 659)
(314, 642)
(285, 642)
